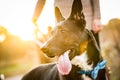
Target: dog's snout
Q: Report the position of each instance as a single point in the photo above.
(47, 52)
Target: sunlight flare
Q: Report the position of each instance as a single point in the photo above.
(17, 17)
(2, 37)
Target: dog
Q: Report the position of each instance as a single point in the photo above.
(79, 56)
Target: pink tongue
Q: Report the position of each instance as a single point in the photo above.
(64, 65)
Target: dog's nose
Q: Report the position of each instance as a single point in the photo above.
(47, 52)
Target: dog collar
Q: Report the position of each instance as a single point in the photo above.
(94, 72)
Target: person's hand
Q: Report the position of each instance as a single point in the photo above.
(96, 26)
(36, 28)
(34, 21)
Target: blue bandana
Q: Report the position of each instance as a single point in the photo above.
(94, 72)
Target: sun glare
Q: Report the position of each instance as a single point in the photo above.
(2, 37)
(47, 16)
(16, 16)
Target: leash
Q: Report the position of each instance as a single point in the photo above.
(94, 72)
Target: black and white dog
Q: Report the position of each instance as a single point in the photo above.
(78, 52)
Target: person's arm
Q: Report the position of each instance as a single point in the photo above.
(96, 16)
(38, 9)
(96, 9)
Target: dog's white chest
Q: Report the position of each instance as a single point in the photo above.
(81, 61)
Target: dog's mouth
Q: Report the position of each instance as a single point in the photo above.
(64, 64)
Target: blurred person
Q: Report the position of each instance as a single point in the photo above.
(91, 10)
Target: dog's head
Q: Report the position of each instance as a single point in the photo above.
(70, 38)
(69, 34)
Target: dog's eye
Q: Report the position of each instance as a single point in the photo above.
(62, 31)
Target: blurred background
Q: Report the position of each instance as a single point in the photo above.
(20, 50)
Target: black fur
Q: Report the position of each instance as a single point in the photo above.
(69, 34)
(50, 72)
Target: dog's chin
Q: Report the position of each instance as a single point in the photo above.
(72, 54)
(50, 56)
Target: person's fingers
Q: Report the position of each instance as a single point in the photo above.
(96, 25)
(34, 21)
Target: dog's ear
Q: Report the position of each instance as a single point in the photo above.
(76, 12)
(58, 15)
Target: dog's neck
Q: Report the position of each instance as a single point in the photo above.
(81, 61)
